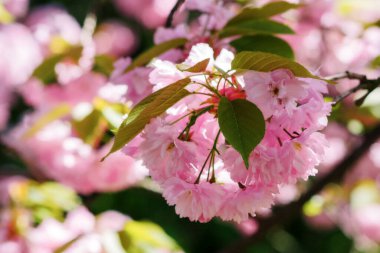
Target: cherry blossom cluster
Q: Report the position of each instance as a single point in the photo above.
(199, 172)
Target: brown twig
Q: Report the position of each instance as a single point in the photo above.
(287, 213)
(364, 84)
(169, 20)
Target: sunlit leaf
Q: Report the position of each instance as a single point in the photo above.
(268, 10)
(375, 63)
(67, 245)
(242, 124)
(5, 16)
(54, 114)
(41, 198)
(103, 64)
(91, 128)
(199, 67)
(46, 70)
(144, 236)
(256, 26)
(155, 51)
(150, 107)
(265, 62)
(263, 43)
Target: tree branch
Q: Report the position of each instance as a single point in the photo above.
(286, 213)
(169, 20)
(364, 84)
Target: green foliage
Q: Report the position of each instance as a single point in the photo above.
(199, 67)
(255, 26)
(56, 113)
(265, 62)
(155, 51)
(149, 108)
(376, 62)
(91, 128)
(267, 11)
(46, 70)
(145, 236)
(103, 64)
(263, 43)
(42, 199)
(242, 124)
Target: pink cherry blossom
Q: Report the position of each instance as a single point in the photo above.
(198, 202)
(114, 38)
(154, 14)
(22, 53)
(50, 22)
(17, 8)
(81, 225)
(136, 81)
(56, 154)
(239, 204)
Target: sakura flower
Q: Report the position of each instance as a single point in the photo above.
(154, 14)
(135, 81)
(53, 27)
(56, 154)
(195, 201)
(167, 156)
(81, 226)
(166, 72)
(280, 88)
(113, 38)
(240, 203)
(17, 8)
(22, 52)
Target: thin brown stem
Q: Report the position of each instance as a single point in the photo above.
(364, 84)
(169, 20)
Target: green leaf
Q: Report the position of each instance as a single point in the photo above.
(155, 51)
(46, 70)
(268, 10)
(265, 62)
(376, 23)
(5, 16)
(103, 64)
(92, 128)
(242, 124)
(54, 114)
(263, 43)
(145, 236)
(67, 245)
(149, 108)
(199, 67)
(41, 199)
(255, 26)
(375, 63)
